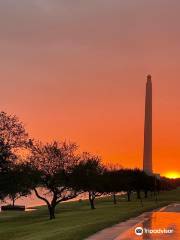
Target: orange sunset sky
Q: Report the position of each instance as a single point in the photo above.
(77, 70)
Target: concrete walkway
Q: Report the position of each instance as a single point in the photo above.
(118, 230)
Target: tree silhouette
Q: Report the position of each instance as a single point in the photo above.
(12, 131)
(113, 180)
(88, 177)
(13, 137)
(17, 182)
(53, 164)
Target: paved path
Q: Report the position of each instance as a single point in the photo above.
(157, 218)
(171, 208)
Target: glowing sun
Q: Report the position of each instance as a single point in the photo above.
(172, 175)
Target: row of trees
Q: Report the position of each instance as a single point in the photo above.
(27, 165)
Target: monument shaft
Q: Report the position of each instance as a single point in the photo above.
(147, 156)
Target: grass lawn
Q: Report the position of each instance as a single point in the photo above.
(74, 220)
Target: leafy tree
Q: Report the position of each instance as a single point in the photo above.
(17, 182)
(139, 181)
(88, 176)
(149, 184)
(12, 131)
(125, 176)
(112, 180)
(52, 165)
(7, 157)
(13, 137)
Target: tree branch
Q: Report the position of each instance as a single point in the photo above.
(40, 197)
(66, 198)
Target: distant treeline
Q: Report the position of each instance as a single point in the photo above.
(27, 165)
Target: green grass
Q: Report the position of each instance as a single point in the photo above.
(75, 220)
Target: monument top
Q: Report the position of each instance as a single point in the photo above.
(149, 77)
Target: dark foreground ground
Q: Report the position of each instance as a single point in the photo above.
(75, 220)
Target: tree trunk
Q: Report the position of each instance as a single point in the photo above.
(138, 194)
(141, 201)
(156, 199)
(92, 204)
(129, 195)
(13, 202)
(51, 212)
(91, 200)
(114, 198)
(145, 194)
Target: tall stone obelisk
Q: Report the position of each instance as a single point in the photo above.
(147, 157)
